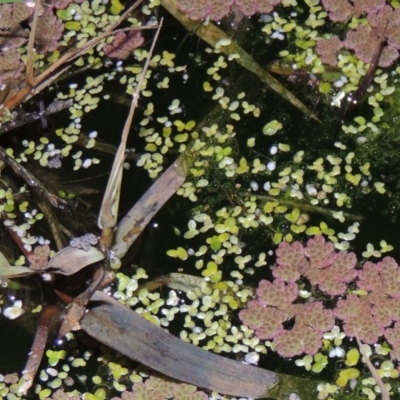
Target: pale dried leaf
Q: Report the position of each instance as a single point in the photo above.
(70, 260)
(15, 271)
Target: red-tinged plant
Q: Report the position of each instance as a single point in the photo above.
(318, 262)
(320, 253)
(49, 32)
(365, 41)
(393, 337)
(277, 294)
(339, 10)
(250, 7)
(335, 278)
(40, 257)
(274, 306)
(123, 44)
(156, 388)
(312, 320)
(315, 316)
(385, 311)
(342, 10)
(290, 259)
(383, 277)
(372, 314)
(301, 339)
(14, 34)
(390, 18)
(61, 4)
(216, 10)
(266, 321)
(327, 50)
(357, 319)
(11, 66)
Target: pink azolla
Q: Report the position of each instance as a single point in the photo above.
(392, 335)
(301, 339)
(368, 276)
(390, 275)
(185, 391)
(49, 31)
(393, 37)
(219, 9)
(327, 50)
(334, 279)
(20, 12)
(342, 10)
(11, 66)
(250, 7)
(385, 311)
(357, 319)
(60, 4)
(277, 294)
(290, 260)
(389, 55)
(157, 388)
(315, 316)
(330, 271)
(39, 259)
(320, 253)
(123, 44)
(351, 307)
(339, 10)
(266, 321)
(380, 17)
(200, 9)
(383, 277)
(366, 41)
(363, 41)
(216, 10)
(367, 6)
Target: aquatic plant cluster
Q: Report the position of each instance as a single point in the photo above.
(370, 310)
(14, 35)
(239, 188)
(220, 9)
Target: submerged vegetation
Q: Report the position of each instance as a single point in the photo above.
(280, 193)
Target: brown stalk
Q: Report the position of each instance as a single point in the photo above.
(48, 318)
(32, 181)
(374, 372)
(109, 208)
(12, 100)
(366, 81)
(30, 79)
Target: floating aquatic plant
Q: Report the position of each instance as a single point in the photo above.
(274, 305)
(123, 44)
(340, 11)
(218, 10)
(369, 313)
(160, 389)
(291, 183)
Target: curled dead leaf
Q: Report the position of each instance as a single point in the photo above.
(70, 260)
